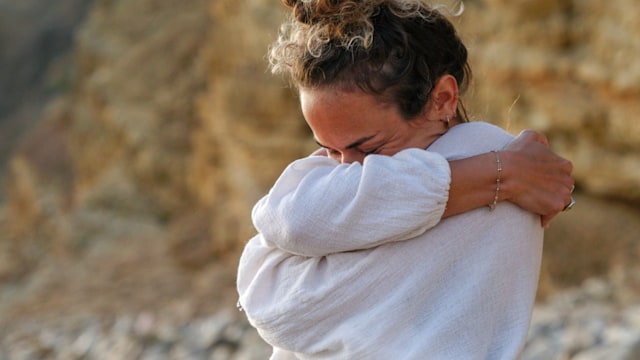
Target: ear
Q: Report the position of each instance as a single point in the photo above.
(444, 98)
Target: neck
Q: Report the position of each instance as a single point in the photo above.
(434, 131)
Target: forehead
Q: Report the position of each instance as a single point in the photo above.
(338, 118)
(330, 104)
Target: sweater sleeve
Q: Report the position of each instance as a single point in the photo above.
(318, 207)
(292, 300)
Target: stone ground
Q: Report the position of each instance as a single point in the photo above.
(580, 324)
(138, 304)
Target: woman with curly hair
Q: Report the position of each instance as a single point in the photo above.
(412, 233)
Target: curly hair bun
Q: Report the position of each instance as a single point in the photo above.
(290, 3)
(300, 10)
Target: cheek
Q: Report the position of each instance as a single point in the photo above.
(393, 146)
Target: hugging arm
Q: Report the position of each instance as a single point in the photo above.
(532, 177)
(318, 207)
(303, 304)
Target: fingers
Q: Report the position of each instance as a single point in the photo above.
(553, 192)
(532, 135)
(568, 185)
(570, 205)
(542, 178)
(566, 196)
(566, 166)
(562, 194)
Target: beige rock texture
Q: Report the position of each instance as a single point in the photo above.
(135, 188)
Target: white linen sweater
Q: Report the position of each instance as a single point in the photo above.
(349, 263)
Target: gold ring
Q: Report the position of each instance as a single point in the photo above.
(569, 205)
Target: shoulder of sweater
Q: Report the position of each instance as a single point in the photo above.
(469, 139)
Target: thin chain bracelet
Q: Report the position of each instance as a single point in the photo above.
(492, 206)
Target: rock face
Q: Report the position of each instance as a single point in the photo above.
(35, 38)
(27, 50)
(119, 141)
(132, 194)
(250, 123)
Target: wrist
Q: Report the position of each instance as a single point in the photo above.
(498, 164)
(507, 180)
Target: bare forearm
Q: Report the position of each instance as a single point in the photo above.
(532, 177)
(473, 184)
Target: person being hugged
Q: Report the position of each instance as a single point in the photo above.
(412, 233)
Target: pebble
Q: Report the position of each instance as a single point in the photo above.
(584, 324)
(581, 324)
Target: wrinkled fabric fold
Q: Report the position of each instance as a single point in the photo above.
(315, 202)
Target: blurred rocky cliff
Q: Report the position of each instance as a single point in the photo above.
(131, 190)
(35, 39)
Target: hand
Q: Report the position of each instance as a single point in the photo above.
(538, 180)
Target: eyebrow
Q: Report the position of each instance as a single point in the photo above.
(355, 144)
